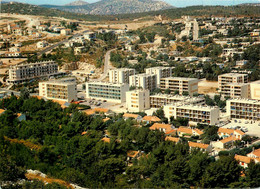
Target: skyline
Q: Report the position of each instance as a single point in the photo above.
(171, 2)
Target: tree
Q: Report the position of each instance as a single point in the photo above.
(24, 94)
(253, 174)
(167, 91)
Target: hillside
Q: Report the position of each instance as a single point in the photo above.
(111, 7)
(20, 8)
(77, 3)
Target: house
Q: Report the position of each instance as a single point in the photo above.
(21, 117)
(14, 49)
(13, 54)
(225, 143)
(42, 27)
(173, 139)
(244, 160)
(131, 154)
(224, 133)
(202, 147)
(254, 154)
(166, 128)
(150, 119)
(78, 50)
(132, 116)
(2, 111)
(105, 139)
(65, 32)
(106, 119)
(42, 44)
(69, 44)
(181, 131)
(97, 110)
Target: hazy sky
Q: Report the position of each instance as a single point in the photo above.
(177, 3)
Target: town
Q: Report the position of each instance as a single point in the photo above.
(195, 80)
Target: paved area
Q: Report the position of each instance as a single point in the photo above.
(252, 127)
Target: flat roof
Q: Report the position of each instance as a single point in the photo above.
(180, 78)
(106, 83)
(246, 101)
(233, 74)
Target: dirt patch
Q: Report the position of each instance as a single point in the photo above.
(25, 143)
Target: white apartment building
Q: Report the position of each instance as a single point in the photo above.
(236, 90)
(65, 90)
(120, 75)
(137, 100)
(107, 91)
(180, 84)
(255, 90)
(160, 100)
(23, 72)
(243, 109)
(229, 78)
(161, 72)
(198, 114)
(145, 81)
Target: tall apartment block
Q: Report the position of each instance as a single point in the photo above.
(137, 100)
(107, 91)
(145, 81)
(255, 90)
(24, 72)
(120, 75)
(180, 84)
(225, 87)
(198, 114)
(161, 72)
(160, 100)
(243, 109)
(65, 90)
(236, 90)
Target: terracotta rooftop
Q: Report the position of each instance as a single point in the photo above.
(198, 145)
(256, 153)
(132, 153)
(106, 139)
(159, 126)
(244, 159)
(240, 132)
(224, 130)
(2, 111)
(151, 118)
(126, 115)
(228, 139)
(184, 130)
(173, 139)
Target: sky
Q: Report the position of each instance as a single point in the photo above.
(176, 3)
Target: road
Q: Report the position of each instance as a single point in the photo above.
(11, 91)
(107, 66)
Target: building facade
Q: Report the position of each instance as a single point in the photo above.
(198, 114)
(145, 81)
(137, 100)
(161, 72)
(107, 91)
(180, 84)
(65, 90)
(120, 75)
(255, 90)
(243, 109)
(236, 90)
(24, 72)
(160, 100)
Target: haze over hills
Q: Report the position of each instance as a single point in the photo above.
(77, 3)
(110, 7)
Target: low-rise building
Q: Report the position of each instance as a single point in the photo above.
(201, 146)
(243, 109)
(197, 114)
(151, 119)
(65, 32)
(107, 91)
(13, 54)
(182, 131)
(161, 72)
(144, 81)
(63, 89)
(180, 84)
(120, 75)
(42, 44)
(132, 116)
(162, 127)
(137, 100)
(254, 153)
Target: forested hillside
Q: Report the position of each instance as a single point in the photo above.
(19, 8)
(64, 151)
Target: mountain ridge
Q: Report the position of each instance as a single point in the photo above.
(77, 3)
(113, 7)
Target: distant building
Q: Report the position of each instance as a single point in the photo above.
(24, 72)
(120, 75)
(64, 89)
(42, 44)
(255, 90)
(107, 91)
(161, 72)
(236, 90)
(180, 84)
(145, 81)
(137, 100)
(65, 32)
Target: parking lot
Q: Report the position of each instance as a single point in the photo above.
(250, 127)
